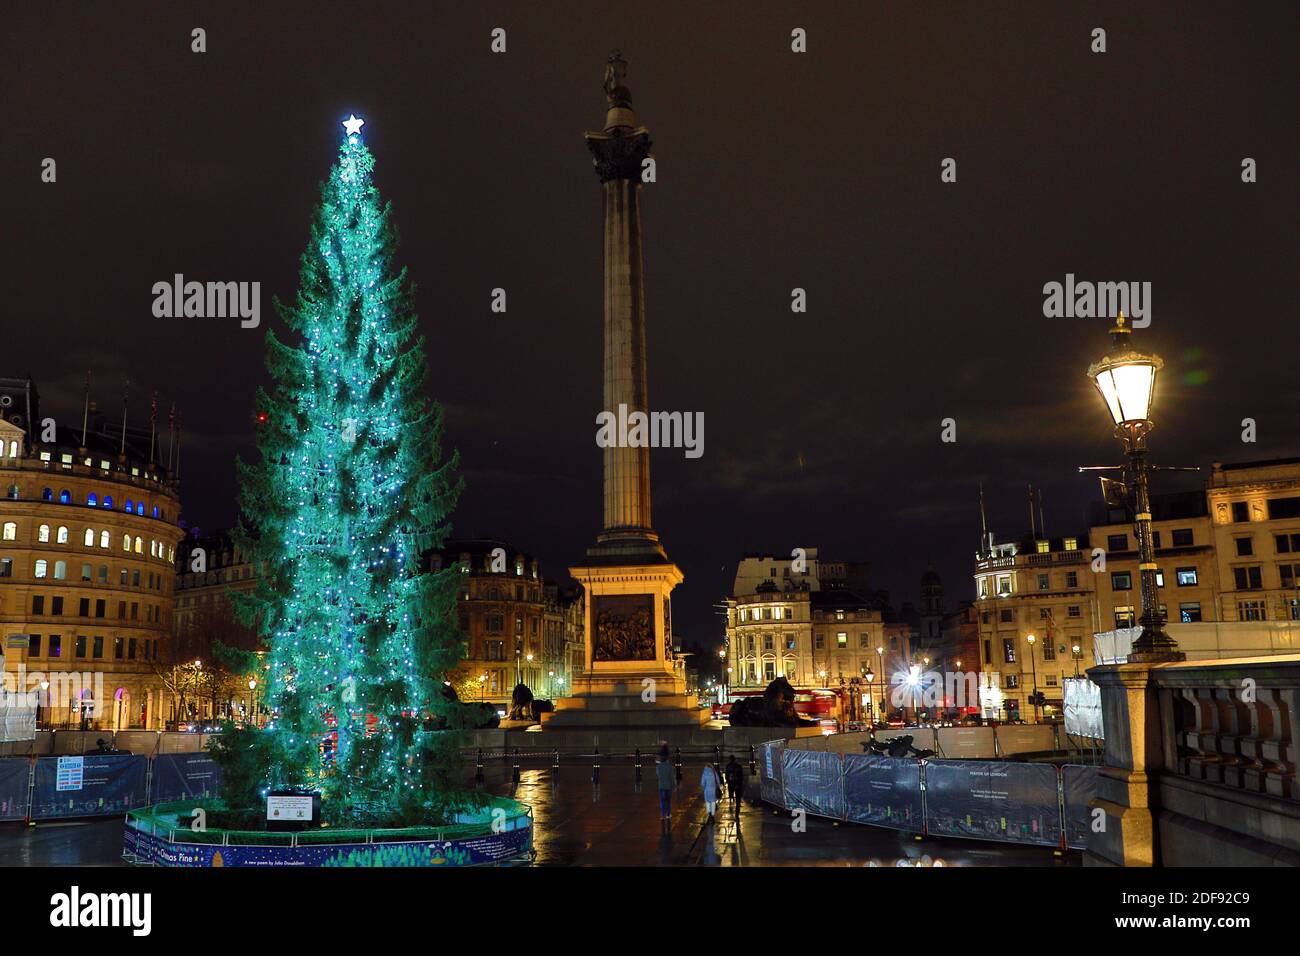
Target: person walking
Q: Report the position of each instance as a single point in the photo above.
(664, 774)
(735, 775)
(709, 785)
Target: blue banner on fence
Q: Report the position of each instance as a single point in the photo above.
(1016, 802)
(13, 787)
(770, 787)
(182, 776)
(1080, 787)
(89, 786)
(884, 791)
(812, 782)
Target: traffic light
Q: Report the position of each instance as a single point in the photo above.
(1038, 699)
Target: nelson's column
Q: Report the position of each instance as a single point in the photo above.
(629, 680)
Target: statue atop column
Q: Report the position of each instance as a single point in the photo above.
(616, 91)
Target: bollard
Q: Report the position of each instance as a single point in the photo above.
(679, 764)
(516, 768)
(595, 766)
(753, 764)
(638, 764)
(478, 771)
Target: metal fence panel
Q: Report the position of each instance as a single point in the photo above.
(770, 785)
(89, 786)
(182, 776)
(14, 772)
(987, 800)
(1080, 783)
(883, 791)
(813, 782)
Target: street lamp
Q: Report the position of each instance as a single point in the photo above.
(1126, 381)
(1033, 664)
(880, 669)
(252, 686)
(1076, 650)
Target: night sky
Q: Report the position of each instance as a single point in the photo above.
(775, 170)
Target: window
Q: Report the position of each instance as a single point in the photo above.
(1290, 574)
(1009, 651)
(1004, 584)
(1071, 544)
(1186, 577)
(34, 645)
(108, 501)
(1240, 511)
(1283, 508)
(1124, 616)
(139, 545)
(40, 570)
(1049, 651)
(83, 607)
(768, 642)
(62, 536)
(1044, 613)
(6, 567)
(1007, 615)
(1012, 680)
(1117, 542)
(789, 644)
(1189, 612)
(130, 649)
(126, 542)
(1072, 610)
(56, 646)
(1245, 547)
(1071, 579)
(65, 497)
(92, 500)
(104, 538)
(56, 605)
(117, 648)
(1049, 680)
(1287, 543)
(38, 604)
(43, 534)
(1043, 547)
(97, 647)
(1160, 577)
(1044, 582)
(1248, 578)
(10, 532)
(988, 652)
(839, 614)
(60, 570)
(81, 645)
(1250, 610)
(841, 640)
(819, 641)
(1182, 537)
(47, 494)
(99, 607)
(1121, 581)
(88, 539)
(1155, 539)
(864, 642)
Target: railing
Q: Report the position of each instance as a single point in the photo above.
(1233, 723)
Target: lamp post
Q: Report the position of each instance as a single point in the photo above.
(1076, 650)
(1033, 665)
(252, 686)
(880, 669)
(1126, 380)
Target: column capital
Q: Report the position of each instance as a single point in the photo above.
(618, 155)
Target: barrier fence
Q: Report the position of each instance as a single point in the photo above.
(96, 785)
(1032, 803)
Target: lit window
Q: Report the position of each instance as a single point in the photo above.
(126, 542)
(11, 531)
(1044, 547)
(130, 505)
(42, 568)
(65, 497)
(60, 570)
(62, 536)
(103, 538)
(47, 494)
(43, 533)
(89, 538)
(1071, 544)
(108, 501)
(92, 499)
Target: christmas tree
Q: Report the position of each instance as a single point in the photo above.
(350, 490)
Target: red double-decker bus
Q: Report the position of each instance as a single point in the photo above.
(812, 703)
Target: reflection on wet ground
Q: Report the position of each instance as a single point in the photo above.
(617, 823)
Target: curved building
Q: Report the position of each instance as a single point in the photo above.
(88, 530)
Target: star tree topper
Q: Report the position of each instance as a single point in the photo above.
(353, 125)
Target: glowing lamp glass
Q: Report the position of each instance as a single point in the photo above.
(1128, 387)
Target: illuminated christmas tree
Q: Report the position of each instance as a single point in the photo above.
(351, 489)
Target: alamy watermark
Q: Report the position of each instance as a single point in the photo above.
(651, 430)
(1094, 300)
(208, 300)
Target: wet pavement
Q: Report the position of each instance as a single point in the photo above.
(616, 823)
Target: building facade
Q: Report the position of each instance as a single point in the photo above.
(88, 534)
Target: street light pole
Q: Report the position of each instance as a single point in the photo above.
(1126, 380)
(1033, 666)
